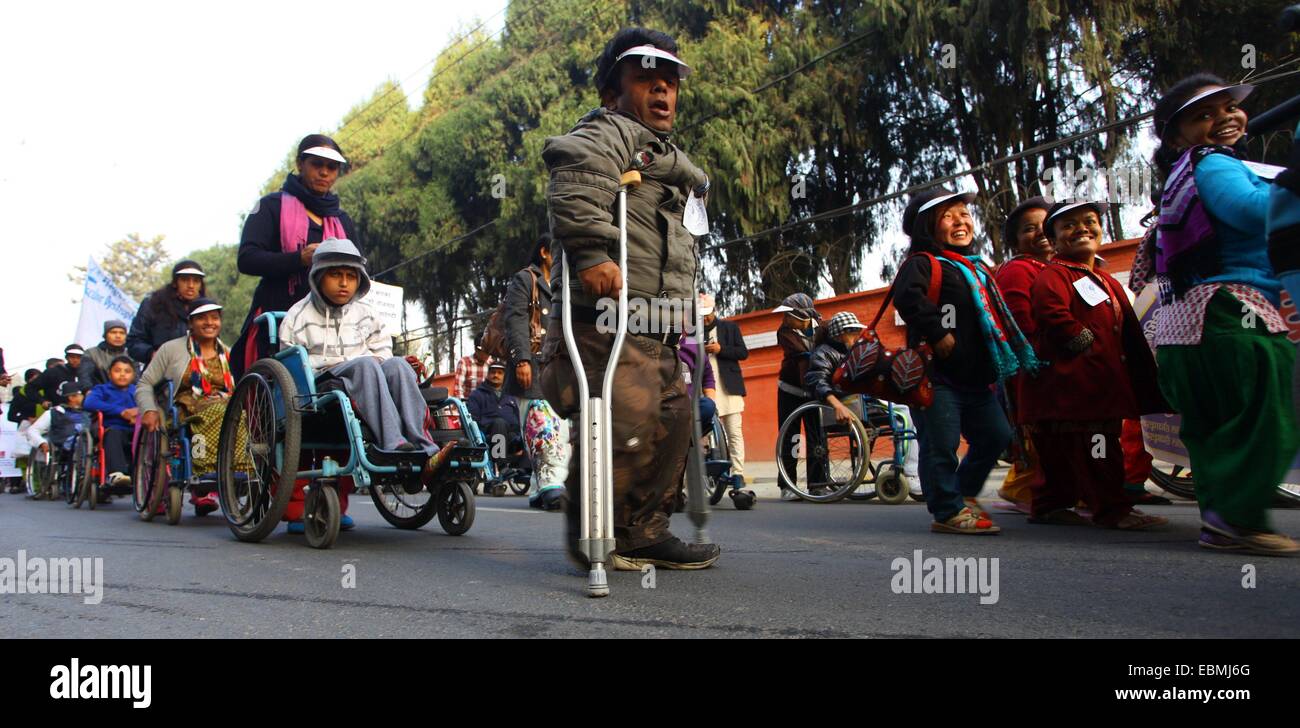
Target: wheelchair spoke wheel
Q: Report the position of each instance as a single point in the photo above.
(320, 516)
(455, 507)
(1176, 480)
(257, 458)
(150, 475)
(402, 508)
(835, 456)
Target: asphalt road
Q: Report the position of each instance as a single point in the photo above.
(787, 570)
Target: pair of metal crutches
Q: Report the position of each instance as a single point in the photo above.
(595, 423)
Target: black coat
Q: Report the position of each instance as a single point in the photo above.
(969, 365)
(518, 297)
(825, 360)
(23, 407)
(260, 256)
(48, 383)
(486, 405)
(732, 353)
(152, 327)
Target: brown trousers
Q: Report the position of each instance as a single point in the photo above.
(651, 425)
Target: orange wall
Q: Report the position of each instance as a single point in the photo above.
(761, 368)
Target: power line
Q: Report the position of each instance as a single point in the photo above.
(777, 80)
(413, 74)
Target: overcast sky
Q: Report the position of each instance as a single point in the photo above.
(167, 117)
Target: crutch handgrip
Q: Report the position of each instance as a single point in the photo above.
(630, 178)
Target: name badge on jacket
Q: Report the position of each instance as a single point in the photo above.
(1090, 291)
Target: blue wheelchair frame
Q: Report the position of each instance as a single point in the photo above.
(358, 465)
(901, 436)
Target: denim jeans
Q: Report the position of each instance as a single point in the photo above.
(956, 413)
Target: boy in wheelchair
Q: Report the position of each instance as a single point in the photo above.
(842, 330)
(347, 343)
(60, 424)
(115, 399)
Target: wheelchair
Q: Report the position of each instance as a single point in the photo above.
(845, 452)
(84, 474)
(290, 423)
(163, 470)
(717, 467)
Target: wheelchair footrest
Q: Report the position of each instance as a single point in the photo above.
(413, 460)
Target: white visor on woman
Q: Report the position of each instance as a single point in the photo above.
(1238, 92)
(326, 153)
(683, 70)
(190, 272)
(1098, 207)
(967, 197)
(205, 308)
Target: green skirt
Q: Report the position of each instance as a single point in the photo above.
(1233, 391)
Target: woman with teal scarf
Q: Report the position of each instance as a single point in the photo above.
(976, 344)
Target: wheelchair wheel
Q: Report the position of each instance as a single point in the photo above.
(455, 507)
(150, 476)
(264, 407)
(842, 448)
(175, 503)
(517, 487)
(38, 464)
(892, 486)
(320, 516)
(403, 509)
(80, 481)
(1174, 481)
(718, 488)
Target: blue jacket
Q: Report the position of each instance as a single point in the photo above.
(111, 401)
(1238, 203)
(486, 404)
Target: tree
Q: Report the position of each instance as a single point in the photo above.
(134, 265)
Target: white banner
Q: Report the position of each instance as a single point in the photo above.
(100, 302)
(8, 445)
(387, 302)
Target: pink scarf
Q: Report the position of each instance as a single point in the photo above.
(293, 230)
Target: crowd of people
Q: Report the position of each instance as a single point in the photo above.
(1042, 357)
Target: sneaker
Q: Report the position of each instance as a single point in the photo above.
(789, 495)
(737, 482)
(296, 528)
(204, 506)
(346, 523)
(671, 554)
(117, 479)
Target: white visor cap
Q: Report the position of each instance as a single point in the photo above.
(650, 51)
(326, 153)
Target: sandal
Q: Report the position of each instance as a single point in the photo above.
(1138, 521)
(965, 523)
(976, 508)
(1061, 517)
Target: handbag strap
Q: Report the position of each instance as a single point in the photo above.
(932, 291)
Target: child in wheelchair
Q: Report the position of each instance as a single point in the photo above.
(841, 332)
(60, 424)
(348, 343)
(115, 399)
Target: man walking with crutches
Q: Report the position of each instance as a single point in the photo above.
(637, 75)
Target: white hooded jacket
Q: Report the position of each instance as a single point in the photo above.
(334, 334)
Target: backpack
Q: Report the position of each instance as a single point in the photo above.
(494, 336)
